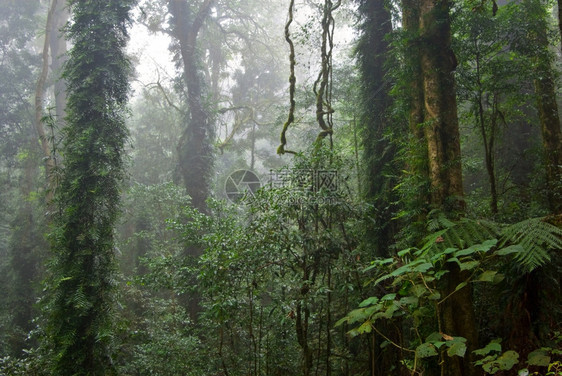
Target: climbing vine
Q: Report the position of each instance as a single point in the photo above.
(322, 87)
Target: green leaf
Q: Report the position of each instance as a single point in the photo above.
(440, 274)
(369, 301)
(438, 344)
(404, 252)
(487, 276)
(433, 337)
(538, 358)
(422, 268)
(494, 345)
(366, 327)
(341, 321)
(461, 285)
(435, 295)
(507, 360)
(389, 313)
(409, 300)
(426, 350)
(418, 290)
(465, 252)
(457, 348)
(356, 315)
(388, 297)
(516, 248)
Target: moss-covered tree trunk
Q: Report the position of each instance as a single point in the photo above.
(380, 161)
(545, 90)
(441, 130)
(552, 140)
(81, 281)
(411, 21)
(441, 127)
(195, 145)
(378, 150)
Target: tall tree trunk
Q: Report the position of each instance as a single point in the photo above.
(545, 90)
(57, 42)
(414, 91)
(560, 18)
(24, 254)
(39, 99)
(441, 131)
(411, 21)
(195, 145)
(378, 151)
(81, 277)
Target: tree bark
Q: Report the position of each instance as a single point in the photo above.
(551, 137)
(545, 91)
(560, 18)
(441, 130)
(411, 20)
(378, 151)
(39, 99)
(58, 48)
(195, 144)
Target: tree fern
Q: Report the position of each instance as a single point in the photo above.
(536, 239)
(457, 234)
(530, 240)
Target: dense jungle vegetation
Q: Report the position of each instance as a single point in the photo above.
(289, 187)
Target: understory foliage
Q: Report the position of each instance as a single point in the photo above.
(495, 256)
(274, 276)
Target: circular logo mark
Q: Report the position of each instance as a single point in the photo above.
(240, 184)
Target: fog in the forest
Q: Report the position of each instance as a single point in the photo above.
(288, 187)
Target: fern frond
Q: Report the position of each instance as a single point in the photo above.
(461, 234)
(537, 237)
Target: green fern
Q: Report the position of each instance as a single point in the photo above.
(532, 238)
(536, 237)
(459, 234)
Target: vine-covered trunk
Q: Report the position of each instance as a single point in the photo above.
(441, 130)
(195, 144)
(414, 91)
(81, 287)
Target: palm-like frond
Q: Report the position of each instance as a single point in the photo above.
(457, 234)
(536, 237)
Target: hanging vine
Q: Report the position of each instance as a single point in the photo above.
(323, 84)
(292, 82)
